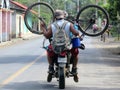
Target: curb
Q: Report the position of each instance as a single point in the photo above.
(13, 41)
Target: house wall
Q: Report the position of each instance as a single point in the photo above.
(13, 28)
(30, 23)
(12, 22)
(4, 25)
(0, 26)
(8, 27)
(22, 24)
(19, 29)
(5, 22)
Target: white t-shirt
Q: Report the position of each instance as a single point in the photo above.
(60, 23)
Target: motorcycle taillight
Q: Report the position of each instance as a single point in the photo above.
(62, 54)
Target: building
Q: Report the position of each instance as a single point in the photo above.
(18, 27)
(12, 20)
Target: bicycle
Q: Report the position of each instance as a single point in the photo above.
(86, 17)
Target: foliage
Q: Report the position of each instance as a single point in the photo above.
(69, 5)
(113, 7)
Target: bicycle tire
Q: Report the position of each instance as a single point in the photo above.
(87, 21)
(37, 13)
(70, 19)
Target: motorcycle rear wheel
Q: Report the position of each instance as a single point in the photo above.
(61, 77)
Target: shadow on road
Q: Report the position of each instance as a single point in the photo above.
(21, 59)
(98, 56)
(88, 56)
(41, 85)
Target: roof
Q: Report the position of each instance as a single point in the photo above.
(18, 4)
(21, 6)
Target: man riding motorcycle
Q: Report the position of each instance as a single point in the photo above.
(59, 18)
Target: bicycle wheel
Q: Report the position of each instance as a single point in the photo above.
(92, 15)
(37, 13)
(70, 19)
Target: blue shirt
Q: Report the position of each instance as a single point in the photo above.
(76, 28)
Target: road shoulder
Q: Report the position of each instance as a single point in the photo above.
(111, 45)
(17, 40)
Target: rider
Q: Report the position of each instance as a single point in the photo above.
(59, 18)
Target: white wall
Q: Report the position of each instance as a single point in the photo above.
(0, 26)
(19, 25)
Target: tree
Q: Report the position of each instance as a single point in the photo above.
(26, 2)
(113, 7)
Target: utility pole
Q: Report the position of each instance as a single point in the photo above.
(39, 15)
(65, 5)
(96, 2)
(38, 7)
(105, 1)
(78, 6)
(96, 10)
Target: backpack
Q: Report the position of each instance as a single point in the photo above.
(61, 40)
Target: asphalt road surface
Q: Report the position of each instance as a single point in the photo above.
(23, 66)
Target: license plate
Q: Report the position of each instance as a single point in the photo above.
(62, 60)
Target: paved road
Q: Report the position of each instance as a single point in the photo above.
(23, 66)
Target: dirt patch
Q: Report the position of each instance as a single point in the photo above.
(115, 50)
(112, 46)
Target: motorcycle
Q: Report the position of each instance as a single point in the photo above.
(62, 64)
(86, 17)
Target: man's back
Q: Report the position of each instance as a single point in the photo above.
(60, 23)
(61, 39)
